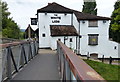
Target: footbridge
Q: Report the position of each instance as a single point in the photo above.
(24, 61)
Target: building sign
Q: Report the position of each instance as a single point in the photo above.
(56, 19)
(33, 21)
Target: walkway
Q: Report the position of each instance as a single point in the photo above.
(43, 67)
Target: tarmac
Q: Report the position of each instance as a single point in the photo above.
(43, 67)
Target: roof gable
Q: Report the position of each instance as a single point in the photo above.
(28, 28)
(56, 8)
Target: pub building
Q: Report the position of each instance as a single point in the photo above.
(85, 34)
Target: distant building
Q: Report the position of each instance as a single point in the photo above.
(29, 32)
(37, 32)
(84, 33)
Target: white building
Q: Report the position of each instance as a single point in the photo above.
(57, 22)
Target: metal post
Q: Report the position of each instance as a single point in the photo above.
(110, 61)
(88, 56)
(103, 58)
(64, 39)
(13, 60)
(22, 57)
(34, 49)
(64, 69)
(9, 64)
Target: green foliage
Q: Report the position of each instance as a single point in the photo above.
(0, 34)
(90, 7)
(117, 5)
(115, 23)
(22, 35)
(10, 29)
(107, 71)
(5, 12)
(0, 16)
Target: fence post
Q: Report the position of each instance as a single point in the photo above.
(103, 58)
(8, 64)
(88, 56)
(35, 48)
(1, 64)
(110, 61)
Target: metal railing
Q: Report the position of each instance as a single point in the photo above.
(15, 56)
(72, 68)
(8, 40)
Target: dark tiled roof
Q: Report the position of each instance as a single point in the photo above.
(86, 16)
(56, 8)
(31, 30)
(28, 29)
(63, 30)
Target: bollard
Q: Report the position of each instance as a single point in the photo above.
(88, 56)
(103, 58)
(110, 61)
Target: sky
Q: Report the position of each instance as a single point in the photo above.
(23, 10)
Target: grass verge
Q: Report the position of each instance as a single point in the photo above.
(107, 71)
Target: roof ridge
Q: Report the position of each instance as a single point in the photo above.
(57, 8)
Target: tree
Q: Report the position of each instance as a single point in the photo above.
(10, 29)
(0, 17)
(5, 12)
(90, 7)
(115, 23)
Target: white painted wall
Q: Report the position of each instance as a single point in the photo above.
(119, 50)
(75, 23)
(44, 24)
(104, 47)
(71, 45)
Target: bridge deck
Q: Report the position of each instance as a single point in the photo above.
(43, 67)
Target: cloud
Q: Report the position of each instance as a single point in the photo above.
(19, 2)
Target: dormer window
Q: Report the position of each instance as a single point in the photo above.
(93, 23)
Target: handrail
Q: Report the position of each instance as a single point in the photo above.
(71, 64)
(14, 43)
(15, 56)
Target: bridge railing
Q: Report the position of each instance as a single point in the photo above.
(73, 68)
(15, 56)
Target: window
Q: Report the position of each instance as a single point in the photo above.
(70, 39)
(115, 47)
(59, 39)
(43, 35)
(93, 23)
(93, 39)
